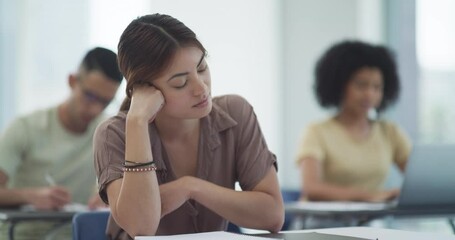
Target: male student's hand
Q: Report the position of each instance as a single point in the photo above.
(95, 202)
(48, 198)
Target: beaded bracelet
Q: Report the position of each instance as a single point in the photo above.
(146, 169)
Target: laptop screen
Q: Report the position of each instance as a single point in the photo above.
(429, 177)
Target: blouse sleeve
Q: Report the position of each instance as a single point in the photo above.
(253, 158)
(401, 144)
(13, 145)
(311, 145)
(109, 153)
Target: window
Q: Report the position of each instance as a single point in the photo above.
(436, 61)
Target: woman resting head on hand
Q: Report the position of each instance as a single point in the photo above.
(168, 162)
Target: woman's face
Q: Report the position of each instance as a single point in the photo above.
(185, 85)
(364, 91)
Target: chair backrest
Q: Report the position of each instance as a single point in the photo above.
(289, 196)
(90, 225)
(233, 228)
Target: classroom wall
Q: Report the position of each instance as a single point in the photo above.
(41, 43)
(8, 39)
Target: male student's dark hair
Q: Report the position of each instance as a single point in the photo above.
(103, 60)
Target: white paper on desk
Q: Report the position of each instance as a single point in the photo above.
(75, 207)
(79, 207)
(341, 206)
(70, 207)
(205, 236)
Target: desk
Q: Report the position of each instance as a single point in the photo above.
(356, 232)
(364, 232)
(14, 216)
(365, 212)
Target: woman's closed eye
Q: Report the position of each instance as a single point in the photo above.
(202, 68)
(179, 83)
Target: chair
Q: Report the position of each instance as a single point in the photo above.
(289, 196)
(233, 228)
(90, 225)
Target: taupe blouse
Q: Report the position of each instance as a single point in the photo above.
(231, 148)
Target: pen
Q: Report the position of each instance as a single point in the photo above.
(50, 180)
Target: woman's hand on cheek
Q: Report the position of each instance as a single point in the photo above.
(146, 102)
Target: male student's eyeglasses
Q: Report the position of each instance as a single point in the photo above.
(92, 98)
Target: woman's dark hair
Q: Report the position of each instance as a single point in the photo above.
(147, 46)
(336, 67)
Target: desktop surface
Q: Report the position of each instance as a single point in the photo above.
(346, 233)
(363, 233)
(18, 215)
(307, 236)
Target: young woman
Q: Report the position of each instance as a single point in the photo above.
(347, 157)
(168, 162)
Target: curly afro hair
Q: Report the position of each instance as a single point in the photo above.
(336, 67)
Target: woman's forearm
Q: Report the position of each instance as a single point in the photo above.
(314, 187)
(138, 207)
(329, 192)
(261, 208)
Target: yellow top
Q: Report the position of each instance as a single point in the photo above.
(352, 163)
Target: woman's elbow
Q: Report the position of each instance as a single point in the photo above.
(141, 232)
(136, 227)
(143, 229)
(276, 220)
(312, 192)
(312, 196)
(276, 226)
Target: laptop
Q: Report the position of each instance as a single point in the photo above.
(429, 183)
(429, 179)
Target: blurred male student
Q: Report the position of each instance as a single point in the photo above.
(46, 157)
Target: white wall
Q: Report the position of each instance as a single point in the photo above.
(52, 39)
(8, 46)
